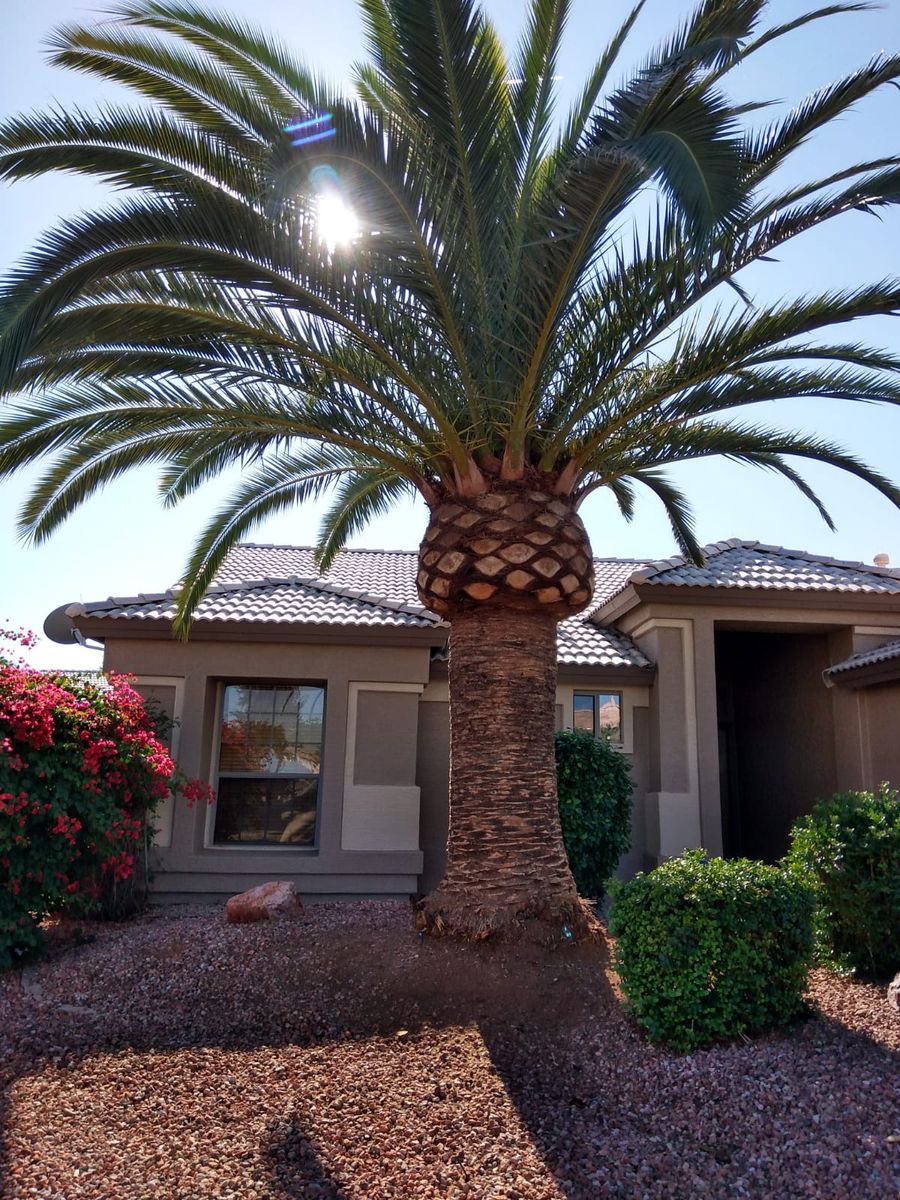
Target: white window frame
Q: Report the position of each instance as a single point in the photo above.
(209, 829)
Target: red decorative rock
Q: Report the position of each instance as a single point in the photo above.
(269, 902)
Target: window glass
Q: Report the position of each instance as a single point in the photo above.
(599, 713)
(584, 712)
(270, 754)
(609, 716)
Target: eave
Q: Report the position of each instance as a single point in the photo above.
(636, 594)
(864, 677)
(258, 631)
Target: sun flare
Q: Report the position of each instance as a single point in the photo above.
(336, 222)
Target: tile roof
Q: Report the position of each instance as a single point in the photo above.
(268, 601)
(867, 658)
(376, 574)
(753, 565)
(277, 584)
(372, 574)
(581, 643)
(271, 584)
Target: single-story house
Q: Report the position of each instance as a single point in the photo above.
(316, 706)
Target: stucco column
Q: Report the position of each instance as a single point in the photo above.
(682, 808)
(850, 733)
(196, 756)
(707, 734)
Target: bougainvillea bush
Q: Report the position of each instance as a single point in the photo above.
(81, 769)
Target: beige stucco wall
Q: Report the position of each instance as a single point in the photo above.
(637, 858)
(168, 694)
(381, 798)
(391, 860)
(880, 722)
(681, 807)
(433, 778)
(381, 757)
(383, 790)
(867, 717)
(679, 635)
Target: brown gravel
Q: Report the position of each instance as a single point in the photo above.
(343, 1058)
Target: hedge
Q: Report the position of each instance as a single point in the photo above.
(594, 785)
(711, 948)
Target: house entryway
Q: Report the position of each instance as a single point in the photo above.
(776, 736)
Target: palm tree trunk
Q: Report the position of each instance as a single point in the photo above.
(507, 868)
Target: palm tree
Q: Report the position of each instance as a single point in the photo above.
(530, 309)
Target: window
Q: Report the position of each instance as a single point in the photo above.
(600, 713)
(270, 753)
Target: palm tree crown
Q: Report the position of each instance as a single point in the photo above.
(491, 325)
(531, 309)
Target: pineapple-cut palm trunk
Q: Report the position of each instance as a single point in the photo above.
(507, 871)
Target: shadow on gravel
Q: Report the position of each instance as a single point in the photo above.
(349, 988)
(590, 1094)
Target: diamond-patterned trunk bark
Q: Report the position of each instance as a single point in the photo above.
(504, 568)
(513, 548)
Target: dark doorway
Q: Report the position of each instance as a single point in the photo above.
(776, 736)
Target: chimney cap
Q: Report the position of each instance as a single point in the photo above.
(882, 560)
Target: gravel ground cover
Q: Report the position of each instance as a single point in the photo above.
(342, 1058)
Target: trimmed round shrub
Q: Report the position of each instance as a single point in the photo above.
(710, 948)
(848, 850)
(594, 784)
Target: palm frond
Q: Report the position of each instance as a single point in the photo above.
(512, 303)
(768, 149)
(189, 85)
(244, 51)
(360, 497)
(678, 511)
(278, 484)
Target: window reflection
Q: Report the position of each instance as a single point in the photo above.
(269, 762)
(599, 713)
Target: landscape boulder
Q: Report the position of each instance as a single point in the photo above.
(893, 995)
(276, 901)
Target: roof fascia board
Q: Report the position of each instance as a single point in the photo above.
(616, 606)
(615, 676)
(719, 597)
(867, 676)
(133, 628)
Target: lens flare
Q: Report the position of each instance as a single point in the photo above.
(312, 129)
(336, 223)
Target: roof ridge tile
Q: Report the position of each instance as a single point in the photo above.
(311, 549)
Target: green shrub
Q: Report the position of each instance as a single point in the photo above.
(594, 785)
(711, 948)
(848, 850)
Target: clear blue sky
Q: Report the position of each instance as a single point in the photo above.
(122, 542)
